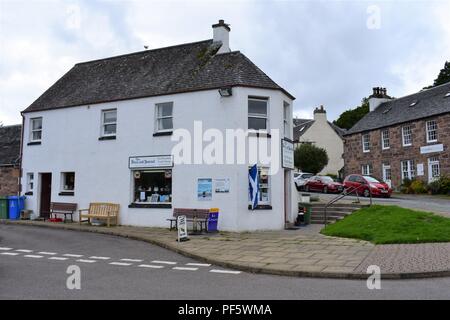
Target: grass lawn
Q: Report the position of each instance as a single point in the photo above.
(391, 224)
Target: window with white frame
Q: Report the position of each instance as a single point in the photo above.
(67, 181)
(366, 169)
(109, 122)
(434, 168)
(432, 131)
(385, 142)
(408, 169)
(366, 142)
(263, 187)
(30, 182)
(36, 129)
(258, 114)
(164, 116)
(286, 122)
(406, 136)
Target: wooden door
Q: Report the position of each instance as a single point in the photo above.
(46, 192)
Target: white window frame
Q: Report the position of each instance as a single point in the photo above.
(433, 129)
(269, 189)
(408, 167)
(32, 131)
(366, 170)
(286, 120)
(385, 138)
(433, 162)
(259, 116)
(104, 124)
(363, 138)
(157, 117)
(404, 135)
(64, 179)
(30, 182)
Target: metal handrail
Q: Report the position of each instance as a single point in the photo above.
(343, 195)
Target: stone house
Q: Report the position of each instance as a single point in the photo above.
(9, 159)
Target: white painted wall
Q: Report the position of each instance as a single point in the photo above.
(70, 143)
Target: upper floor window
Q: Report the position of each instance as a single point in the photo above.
(385, 143)
(286, 117)
(257, 114)
(366, 142)
(36, 129)
(109, 122)
(431, 131)
(164, 116)
(406, 136)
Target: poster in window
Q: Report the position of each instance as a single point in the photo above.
(222, 185)
(204, 189)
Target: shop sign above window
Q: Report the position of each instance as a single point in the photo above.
(151, 162)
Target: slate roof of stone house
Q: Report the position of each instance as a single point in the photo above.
(176, 69)
(302, 125)
(10, 145)
(429, 102)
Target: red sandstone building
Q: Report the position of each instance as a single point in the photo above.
(407, 137)
(9, 159)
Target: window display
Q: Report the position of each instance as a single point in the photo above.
(153, 186)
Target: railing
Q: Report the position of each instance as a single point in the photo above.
(344, 194)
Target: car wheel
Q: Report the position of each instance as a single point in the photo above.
(325, 190)
(366, 193)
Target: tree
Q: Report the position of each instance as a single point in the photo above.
(309, 158)
(444, 75)
(349, 118)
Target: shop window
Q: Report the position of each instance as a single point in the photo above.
(257, 114)
(36, 129)
(109, 123)
(164, 116)
(152, 187)
(263, 187)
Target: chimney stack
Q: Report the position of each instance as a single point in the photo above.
(221, 33)
(378, 97)
(320, 114)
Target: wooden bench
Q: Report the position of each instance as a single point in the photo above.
(196, 216)
(101, 211)
(63, 208)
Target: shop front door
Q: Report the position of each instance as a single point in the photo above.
(45, 198)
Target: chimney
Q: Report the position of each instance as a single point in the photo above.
(221, 33)
(378, 97)
(320, 114)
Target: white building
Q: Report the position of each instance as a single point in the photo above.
(323, 134)
(104, 131)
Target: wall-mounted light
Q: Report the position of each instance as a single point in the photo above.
(225, 92)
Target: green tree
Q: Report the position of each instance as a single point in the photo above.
(444, 75)
(349, 118)
(309, 158)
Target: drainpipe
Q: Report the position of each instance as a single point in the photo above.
(21, 153)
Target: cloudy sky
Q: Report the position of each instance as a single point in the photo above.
(323, 52)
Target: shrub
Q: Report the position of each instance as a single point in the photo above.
(440, 186)
(417, 186)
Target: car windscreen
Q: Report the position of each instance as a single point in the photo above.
(371, 179)
(326, 179)
(306, 176)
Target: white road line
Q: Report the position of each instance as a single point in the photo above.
(47, 253)
(120, 263)
(163, 262)
(58, 258)
(224, 271)
(185, 268)
(73, 255)
(132, 260)
(33, 256)
(24, 250)
(198, 264)
(86, 260)
(99, 258)
(150, 266)
(10, 253)
(5, 248)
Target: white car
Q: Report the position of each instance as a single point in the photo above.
(300, 179)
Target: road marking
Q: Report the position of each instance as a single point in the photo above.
(185, 268)
(150, 266)
(33, 256)
(10, 253)
(5, 248)
(86, 261)
(132, 260)
(47, 253)
(24, 250)
(198, 264)
(163, 262)
(224, 271)
(73, 255)
(58, 258)
(99, 258)
(120, 263)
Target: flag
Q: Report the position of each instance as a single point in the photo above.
(253, 186)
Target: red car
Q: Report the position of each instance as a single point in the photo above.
(324, 184)
(367, 185)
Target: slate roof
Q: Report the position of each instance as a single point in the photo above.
(182, 68)
(307, 123)
(429, 102)
(10, 145)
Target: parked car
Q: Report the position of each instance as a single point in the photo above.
(367, 185)
(300, 179)
(323, 184)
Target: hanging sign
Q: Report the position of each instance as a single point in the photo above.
(287, 154)
(182, 228)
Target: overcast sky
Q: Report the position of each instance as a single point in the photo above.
(327, 53)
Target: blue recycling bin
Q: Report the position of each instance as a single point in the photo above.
(213, 219)
(16, 204)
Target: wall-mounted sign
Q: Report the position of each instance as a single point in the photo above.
(420, 171)
(150, 162)
(432, 148)
(287, 154)
(182, 228)
(204, 189)
(222, 185)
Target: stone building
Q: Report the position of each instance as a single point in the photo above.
(9, 159)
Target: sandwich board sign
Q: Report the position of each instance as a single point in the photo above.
(182, 228)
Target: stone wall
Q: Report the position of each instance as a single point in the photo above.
(9, 181)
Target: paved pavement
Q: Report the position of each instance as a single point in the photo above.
(32, 272)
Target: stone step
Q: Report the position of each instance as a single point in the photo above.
(333, 209)
(330, 213)
(339, 205)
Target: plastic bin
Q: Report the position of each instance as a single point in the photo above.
(16, 204)
(3, 207)
(306, 209)
(213, 219)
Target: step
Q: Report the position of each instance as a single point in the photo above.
(331, 209)
(339, 205)
(331, 214)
